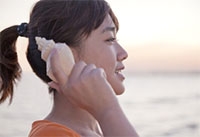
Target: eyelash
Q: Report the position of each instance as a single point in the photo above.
(111, 40)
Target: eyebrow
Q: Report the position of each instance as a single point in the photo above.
(109, 29)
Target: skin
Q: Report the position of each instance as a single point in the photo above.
(103, 50)
(94, 79)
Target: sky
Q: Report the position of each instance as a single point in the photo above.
(159, 35)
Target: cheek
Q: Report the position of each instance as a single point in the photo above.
(113, 79)
(108, 62)
(103, 57)
(106, 59)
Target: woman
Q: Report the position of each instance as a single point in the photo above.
(86, 99)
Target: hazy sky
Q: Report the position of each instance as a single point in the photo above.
(165, 21)
(158, 34)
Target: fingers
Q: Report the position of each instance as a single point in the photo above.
(77, 70)
(101, 72)
(89, 68)
(81, 71)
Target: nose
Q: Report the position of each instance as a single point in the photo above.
(121, 53)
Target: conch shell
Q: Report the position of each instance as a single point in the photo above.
(66, 56)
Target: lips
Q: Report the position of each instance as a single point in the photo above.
(119, 74)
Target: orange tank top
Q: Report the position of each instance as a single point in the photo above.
(44, 128)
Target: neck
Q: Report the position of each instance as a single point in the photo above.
(71, 116)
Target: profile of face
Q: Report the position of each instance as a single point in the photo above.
(102, 49)
(94, 41)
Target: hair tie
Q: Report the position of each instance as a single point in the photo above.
(22, 29)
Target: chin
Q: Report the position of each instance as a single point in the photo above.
(117, 85)
(119, 90)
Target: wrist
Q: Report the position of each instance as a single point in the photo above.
(107, 111)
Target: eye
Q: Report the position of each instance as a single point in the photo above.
(111, 39)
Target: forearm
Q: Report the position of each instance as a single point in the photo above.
(114, 123)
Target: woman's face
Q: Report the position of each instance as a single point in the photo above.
(102, 49)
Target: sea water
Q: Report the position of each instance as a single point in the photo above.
(158, 105)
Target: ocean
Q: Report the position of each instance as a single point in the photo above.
(158, 105)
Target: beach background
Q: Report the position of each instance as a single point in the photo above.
(158, 105)
(162, 98)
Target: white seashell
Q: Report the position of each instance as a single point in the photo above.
(66, 56)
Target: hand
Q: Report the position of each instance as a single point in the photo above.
(86, 86)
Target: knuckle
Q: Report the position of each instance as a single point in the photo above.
(97, 73)
(92, 65)
(79, 64)
(82, 63)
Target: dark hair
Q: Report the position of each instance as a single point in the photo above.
(68, 21)
(9, 66)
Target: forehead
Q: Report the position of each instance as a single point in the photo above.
(107, 25)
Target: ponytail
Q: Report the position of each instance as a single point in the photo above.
(10, 70)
